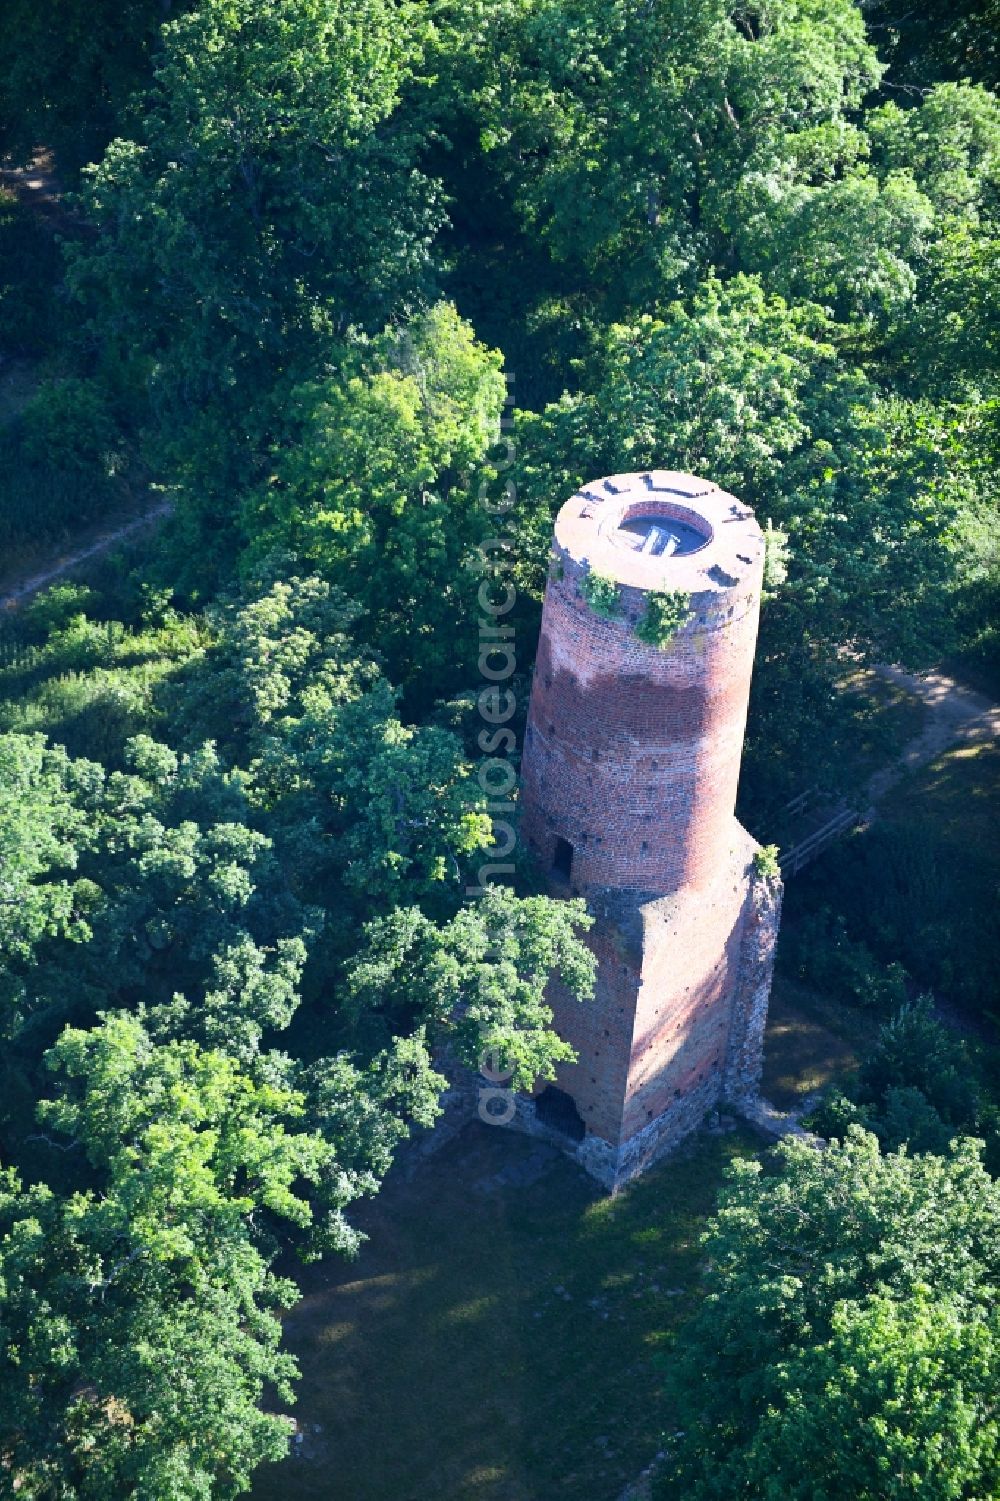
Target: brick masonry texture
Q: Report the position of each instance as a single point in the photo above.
(632, 757)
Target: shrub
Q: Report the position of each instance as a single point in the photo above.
(601, 594)
(916, 1089)
(823, 954)
(922, 895)
(55, 607)
(40, 497)
(834, 1114)
(765, 862)
(91, 713)
(915, 1050)
(665, 614)
(67, 426)
(909, 1119)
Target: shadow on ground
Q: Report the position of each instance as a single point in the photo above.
(497, 1336)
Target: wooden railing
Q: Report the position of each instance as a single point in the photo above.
(793, 860)
(798, 804)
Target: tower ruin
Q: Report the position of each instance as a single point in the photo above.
(630, 768)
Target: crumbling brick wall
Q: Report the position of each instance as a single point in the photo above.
(630, 771)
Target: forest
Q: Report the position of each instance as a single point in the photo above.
(357, 292)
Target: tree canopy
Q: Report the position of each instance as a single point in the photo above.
(847, 1342)
(364, 289)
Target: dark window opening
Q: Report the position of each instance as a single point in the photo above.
(556, 1109)
(562, 859)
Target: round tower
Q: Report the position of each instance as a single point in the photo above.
(639, 700)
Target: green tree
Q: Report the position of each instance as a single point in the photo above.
(184, 897)
(869, 490)
(943, 39)
(363, 808)
(478, 982)
(626, 134)
(139, 1321)
(46, 820)
(376, 490)
(842, 1293)
(264, 205)
(69, 86)
(897, 1403)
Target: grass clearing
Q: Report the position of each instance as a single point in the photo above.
(810, 1041)
(955, 798)
(496, 1338)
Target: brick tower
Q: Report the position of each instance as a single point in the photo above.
(631, 763)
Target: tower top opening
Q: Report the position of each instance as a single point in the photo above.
(661, 530)
(662, 536)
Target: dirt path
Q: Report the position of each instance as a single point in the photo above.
(956, 716)
(39, 186)
(63, 565)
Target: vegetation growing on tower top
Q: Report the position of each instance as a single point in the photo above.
(665, 614)
(601, 594)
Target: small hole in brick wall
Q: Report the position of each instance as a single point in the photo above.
(645, 847)
(555, 1108)
(595, 755)
(552, 729)
(562, 858)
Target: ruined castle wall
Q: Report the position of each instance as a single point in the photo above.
(745, 1054)
(691, 955)
(633, 751)
(601, 1029)
(629, 777)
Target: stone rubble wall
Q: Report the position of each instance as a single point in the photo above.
(752, 991)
